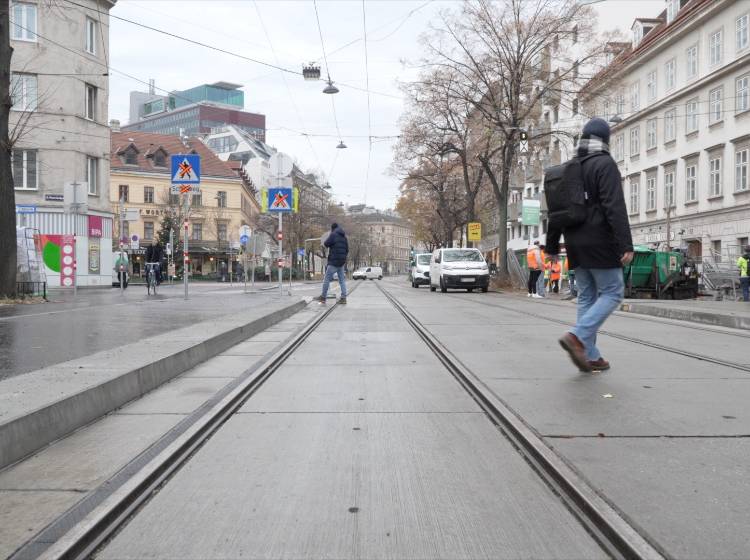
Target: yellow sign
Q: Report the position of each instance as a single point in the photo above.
(475, 231)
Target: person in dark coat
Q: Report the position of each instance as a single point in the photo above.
(155, 255)
(597, 248)
(338, 251)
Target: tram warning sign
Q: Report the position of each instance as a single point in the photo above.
(186, 169)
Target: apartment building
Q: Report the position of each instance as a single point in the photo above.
(59, 131)
(140, 174)
(679, 97)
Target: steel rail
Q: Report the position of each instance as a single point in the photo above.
(84, 538)
(656, 345)
(617, 535)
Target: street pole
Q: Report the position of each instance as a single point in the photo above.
(281, 256)
(669, 225)
(75, 237)
(122, 272)
(185, 247)
(170, 260)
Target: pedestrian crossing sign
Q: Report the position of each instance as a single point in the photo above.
(279, 199)
(186, 169)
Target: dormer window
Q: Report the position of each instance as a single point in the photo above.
(160, 158)
(672, 7)
(637, 34)
(130, 156)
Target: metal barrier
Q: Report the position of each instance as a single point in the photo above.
(25, 289)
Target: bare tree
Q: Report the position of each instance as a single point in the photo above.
(501, 53)
(7, 195)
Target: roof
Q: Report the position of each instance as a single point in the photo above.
(225, 85)
(661, 30)
(147, 143)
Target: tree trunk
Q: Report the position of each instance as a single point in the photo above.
(7, 194)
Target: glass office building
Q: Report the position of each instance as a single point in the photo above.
(220, 92)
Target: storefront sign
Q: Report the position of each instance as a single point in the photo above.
(95, 226)
(531, 209)
(94, 256)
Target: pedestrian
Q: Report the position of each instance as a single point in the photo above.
(121, 267)
(742, 264)
(598, 242)
(534, 263)
(338, 251)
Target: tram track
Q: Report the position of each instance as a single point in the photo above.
(616, 535)
(626, 338)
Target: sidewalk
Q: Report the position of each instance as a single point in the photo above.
(732, 314)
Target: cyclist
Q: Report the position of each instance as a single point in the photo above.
(154, 257)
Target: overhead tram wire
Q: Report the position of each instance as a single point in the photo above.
(328, 72)
(369, 113)
(286, 84)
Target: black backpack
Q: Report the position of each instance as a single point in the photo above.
(565, 193)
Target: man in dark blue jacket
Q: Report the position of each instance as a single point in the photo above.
(597, 249)
(338, 250)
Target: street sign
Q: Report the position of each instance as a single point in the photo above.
(280, 199)
(25, 209)
(186, 169)
(54, 198)
(474, 231)
(246, 231)
(530, 210)
(244, 239)
(184, 189)
(75, 197)
(135, 241)
(300, 252)
(524, 147)
(168, 249)
(132, 214)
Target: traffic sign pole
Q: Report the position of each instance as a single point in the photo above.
(281, 254)
(185, 253)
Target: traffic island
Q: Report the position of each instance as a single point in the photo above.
(41, 406)
(734, 315)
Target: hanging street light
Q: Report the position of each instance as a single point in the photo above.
(330, 88)
(341, 145)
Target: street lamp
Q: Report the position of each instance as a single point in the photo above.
(341, 145)
(330, 88)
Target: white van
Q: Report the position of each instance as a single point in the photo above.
(420, 270)
(458, 268)
(368, 273)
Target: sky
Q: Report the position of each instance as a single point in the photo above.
(285, 33)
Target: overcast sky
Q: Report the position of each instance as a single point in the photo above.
(286, 33)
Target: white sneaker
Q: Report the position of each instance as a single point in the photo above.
(528, 295)
(537, 296)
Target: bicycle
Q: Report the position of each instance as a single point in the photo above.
(151, 277)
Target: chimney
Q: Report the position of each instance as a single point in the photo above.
(114, 124)
(151, 86)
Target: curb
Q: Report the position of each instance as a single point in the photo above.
(24, 435)
(691, 315)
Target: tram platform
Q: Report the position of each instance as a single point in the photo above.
(725, 313)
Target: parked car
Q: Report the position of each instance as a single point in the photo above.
(368, 273)
(458, 268)
(420, 270)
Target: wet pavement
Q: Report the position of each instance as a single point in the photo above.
(66, 328)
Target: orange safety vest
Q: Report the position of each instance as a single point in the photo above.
(531, 258)
(555, 274)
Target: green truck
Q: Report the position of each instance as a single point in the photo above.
(660, 275)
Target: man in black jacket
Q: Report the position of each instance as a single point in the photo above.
(338, 250)
(597, 249)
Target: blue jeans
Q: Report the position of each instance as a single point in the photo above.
(600, 291)
(745, 283)
(330, 271)
(540, 285)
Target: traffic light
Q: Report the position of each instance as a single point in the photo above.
(279, 236)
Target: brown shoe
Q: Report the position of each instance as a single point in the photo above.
(574, 347)
(599, 365)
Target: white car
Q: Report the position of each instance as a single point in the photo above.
(420, 270)
(458, 268)
(368, 273)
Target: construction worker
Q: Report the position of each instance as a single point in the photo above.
(535, 264)
(743, 264)
(555, 269)
(541, 287)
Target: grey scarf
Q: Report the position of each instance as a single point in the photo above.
(591, 145)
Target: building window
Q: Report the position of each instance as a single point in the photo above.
(651, 134)
(635, 194)
(575, 69)
(620, 103)
(221, 199)
(90, 36)
(716, 249)
(671, 10)
(197, 232)
(740, 177)
(670, 125)
(23, 91)
(651, 85)
(691, 116)
(575, 34)
(606, 111)
(691, 185)
(92, 174)
(715, 105)
(574, 107)
(635, 141)
(131, 157)
(23, 21)
(197, 199)
(670, 70)
(715, 48)
(651, 194)
(159, 159)
(148, 195)
(124, 194)
(669, 201)
(90, 102)
(221, 232)
(742, 36)
(619, 147)
(692, 62)
(25, 175)
(635, 96)
(148, 230)
(715, 177)
(743, 87)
